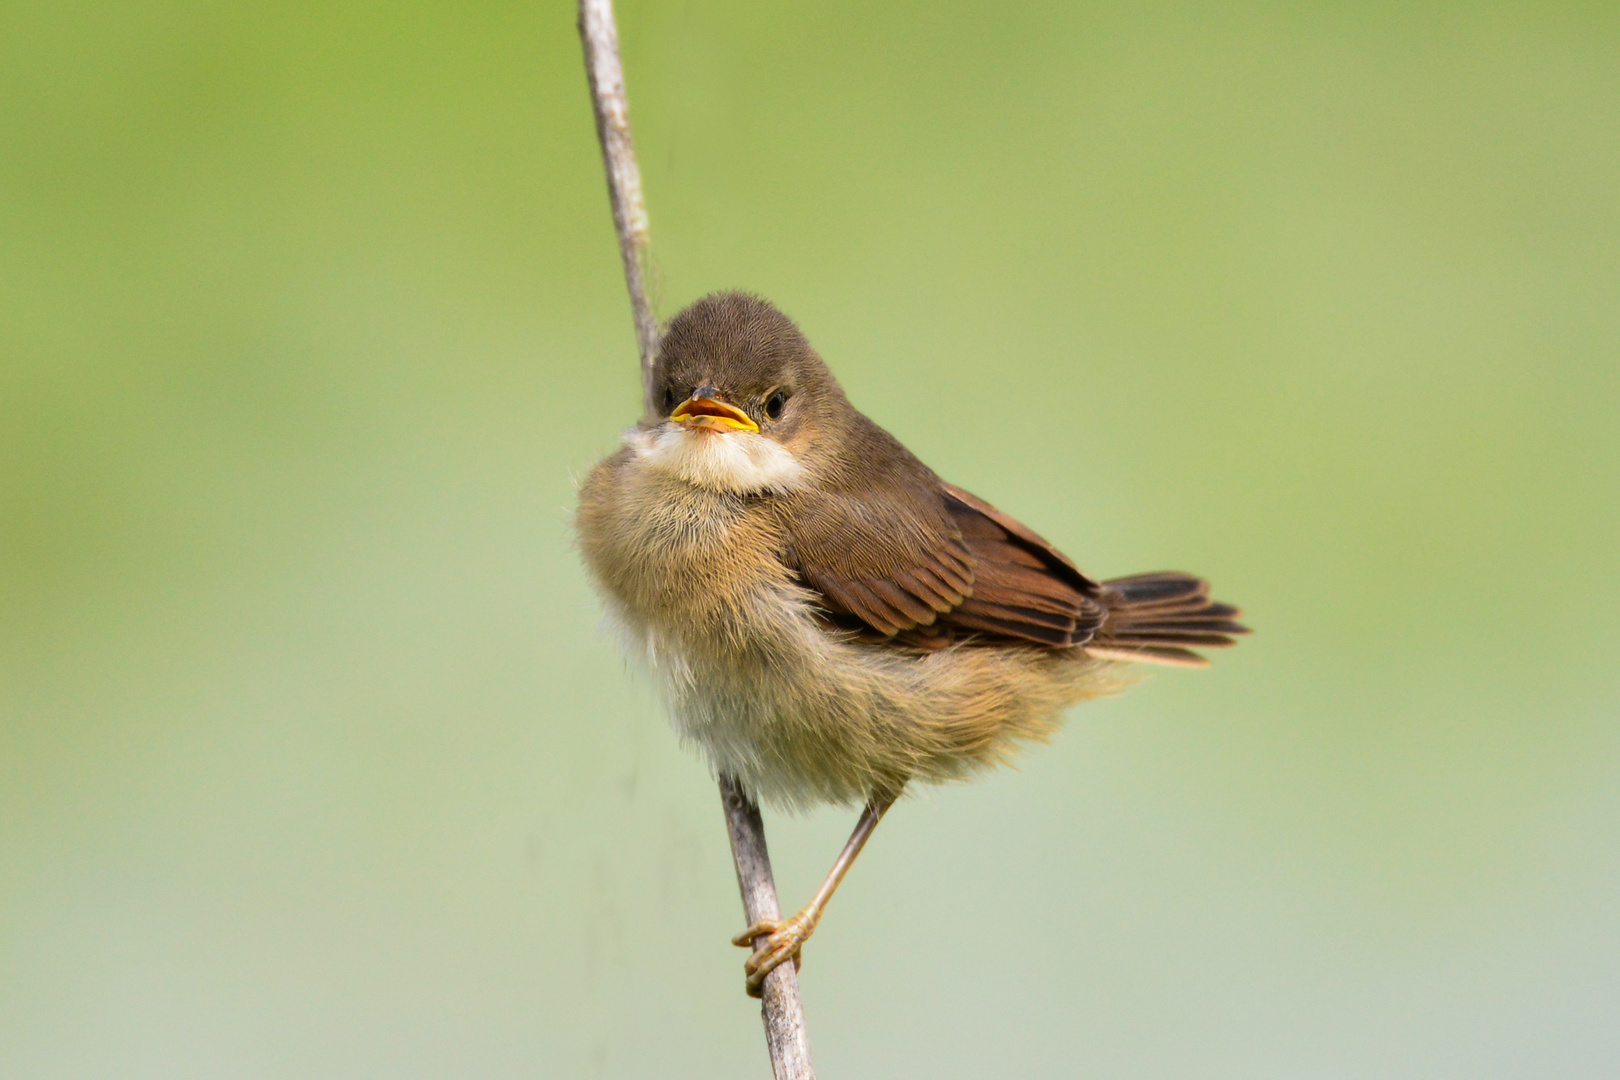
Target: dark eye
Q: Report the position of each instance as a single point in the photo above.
(669, 399)
(775, 404)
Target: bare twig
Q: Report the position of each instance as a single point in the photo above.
(601, 39)
(781, 1010)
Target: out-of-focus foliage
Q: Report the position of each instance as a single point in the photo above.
(313, 762)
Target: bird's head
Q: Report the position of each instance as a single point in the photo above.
(739, 401)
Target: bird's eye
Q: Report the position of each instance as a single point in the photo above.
(669, 399)
(775, 404)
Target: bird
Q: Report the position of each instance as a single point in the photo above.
(827, 619)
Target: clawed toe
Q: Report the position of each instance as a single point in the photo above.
(780, 941)
(762, 928)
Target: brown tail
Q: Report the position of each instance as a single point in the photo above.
(1159, 618)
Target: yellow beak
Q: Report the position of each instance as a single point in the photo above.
(707, 412)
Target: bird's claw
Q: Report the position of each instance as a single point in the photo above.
(773, 941)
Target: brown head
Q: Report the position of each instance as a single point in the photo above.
(753, 358)
(741, 402)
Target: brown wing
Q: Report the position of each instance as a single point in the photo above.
(926, 564)
(1024, 589)
(890, 558)
(898, 556)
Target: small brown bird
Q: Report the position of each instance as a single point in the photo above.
(828, 619)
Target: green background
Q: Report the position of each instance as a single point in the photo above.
(314, 761)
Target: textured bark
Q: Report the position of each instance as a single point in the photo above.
(600, 37)
(780, 1008)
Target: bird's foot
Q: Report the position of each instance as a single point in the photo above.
(778, 939)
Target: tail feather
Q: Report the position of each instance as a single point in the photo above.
(1170, 657)
(1155, 618)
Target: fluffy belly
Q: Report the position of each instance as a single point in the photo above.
(804, 716)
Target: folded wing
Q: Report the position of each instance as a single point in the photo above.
(925, 574)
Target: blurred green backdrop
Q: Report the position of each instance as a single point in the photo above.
(313, 762)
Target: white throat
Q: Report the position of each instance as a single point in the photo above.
(741, 462)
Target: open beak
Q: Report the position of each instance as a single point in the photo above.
(704, 411)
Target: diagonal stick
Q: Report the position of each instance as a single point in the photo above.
(601, 39)
(780, 1008)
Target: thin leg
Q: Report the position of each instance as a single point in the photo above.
(774, 940)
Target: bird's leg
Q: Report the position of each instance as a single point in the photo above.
(775, 940)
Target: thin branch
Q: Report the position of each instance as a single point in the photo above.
(780, 1008)
(783, 1012)
(601, 39)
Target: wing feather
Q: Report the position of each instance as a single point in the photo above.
(901, 557)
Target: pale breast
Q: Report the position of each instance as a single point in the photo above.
(689, 564)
